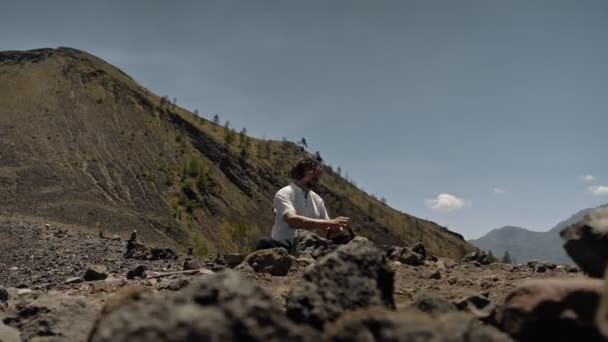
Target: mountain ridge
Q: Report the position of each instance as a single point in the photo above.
(524, 244)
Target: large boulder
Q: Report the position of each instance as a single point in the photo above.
(350, 278)
(221, 307)
(587, 242)
(376, 324)
(275, 261)
(553, 310)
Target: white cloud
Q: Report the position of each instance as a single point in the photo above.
(599, 190)
(498, 191)
(446, 202)
(588, 178)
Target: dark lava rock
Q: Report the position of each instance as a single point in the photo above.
(3, 295)
(233, 259)
(139, 251)
(137, 272)
(480, 257)
(361, 241)
(178, 284)
(435, 275)
(586, 242)
(572, 269)
(192, 264)
(405, 255)
(221, 307)
(163, 254)
(350, 278)
(95, 272)
(540, 266)
(51, 318)
(275, 261)
(432, 304)
(136, 250)
(310, 244)
(553, 310)
(479, 306)
(420, 249)
(375, 324)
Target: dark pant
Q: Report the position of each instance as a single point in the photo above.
(267, 242)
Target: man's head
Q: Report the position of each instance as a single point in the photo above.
(307, 171)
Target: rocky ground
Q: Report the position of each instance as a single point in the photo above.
(62, 285)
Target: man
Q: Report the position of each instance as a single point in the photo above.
(297, 206)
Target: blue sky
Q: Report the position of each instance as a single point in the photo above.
(475, 114)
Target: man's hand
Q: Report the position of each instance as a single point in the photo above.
(340, 222)
(338, 226)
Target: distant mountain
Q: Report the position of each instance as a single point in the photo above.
(523, 244)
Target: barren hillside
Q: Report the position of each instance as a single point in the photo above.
(82, 144)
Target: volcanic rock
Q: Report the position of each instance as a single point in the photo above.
(222, 307)
(480, 257)
(95, 272)
(52, 317)
(479, 306)
(310, 244)
(405, 255)
(553, 310)
(350, 278)
(376, 324)
(275, 261)
(432, 304)
(587, 242)
(137, 272)
(3, 295)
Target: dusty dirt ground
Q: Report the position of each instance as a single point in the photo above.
(37, 262)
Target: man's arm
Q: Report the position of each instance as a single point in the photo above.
(301, 222)
(283, 206)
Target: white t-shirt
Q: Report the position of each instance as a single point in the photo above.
(293, 198)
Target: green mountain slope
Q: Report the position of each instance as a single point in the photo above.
(84, 145)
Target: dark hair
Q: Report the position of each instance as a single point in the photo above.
(303, 166)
